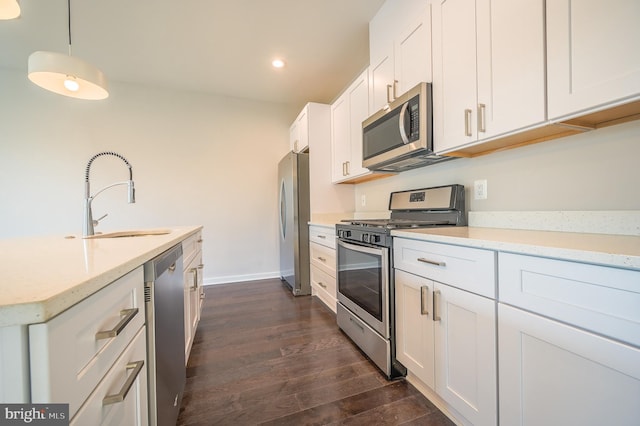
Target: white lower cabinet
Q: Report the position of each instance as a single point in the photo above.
(121, 397)
(193, 289)
(446, 337)
(568, 343)
(322, 255)
(78, 355)
(555, 374)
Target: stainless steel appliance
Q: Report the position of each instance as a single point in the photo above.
(400, 137)
(164, 297)
(293, 180)
(365, 264)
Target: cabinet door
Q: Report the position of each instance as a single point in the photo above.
(454, 73)
(466, 370)
(192, 297)
(293, 136)
(414, 325)
(592, 54)
(381, 81)
(554, 374)
(412, 48)
(340, 132)
(358, 111)
(303, 130)
(511, 65)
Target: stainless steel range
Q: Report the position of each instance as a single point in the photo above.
(365, 267)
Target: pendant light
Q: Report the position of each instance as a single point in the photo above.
(9, 9)
(65, 74)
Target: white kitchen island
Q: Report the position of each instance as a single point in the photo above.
(74, 305)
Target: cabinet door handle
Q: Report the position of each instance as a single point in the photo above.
(194, 287)
(322, 259)
(467, 122)
(436, 304)
(200, 266)
(172, 267)
(482, 125)
(127, 316)
(348, 163)
(395, 89)
(424, 300)
(344, 168)
(120, 396)
(199, 241)
(389, 100)
(431, 262)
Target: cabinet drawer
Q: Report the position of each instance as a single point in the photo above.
(190, 246)
(597, 298)
(133, 409)
(78, 357)
(323, 236)
(324, 286)
(323, 257)
(466, 268)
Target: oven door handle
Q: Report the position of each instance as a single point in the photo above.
(379, 251)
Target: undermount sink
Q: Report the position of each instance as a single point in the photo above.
(135, 233)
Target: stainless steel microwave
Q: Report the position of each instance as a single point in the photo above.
(400, 137)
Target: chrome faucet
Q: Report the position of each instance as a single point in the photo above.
(88, 221)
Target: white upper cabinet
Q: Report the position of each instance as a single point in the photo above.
(593, 57)
(299, 131)
(347, 114)
(488, 69)
(399, 49)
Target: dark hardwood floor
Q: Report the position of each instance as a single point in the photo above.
(262, 356)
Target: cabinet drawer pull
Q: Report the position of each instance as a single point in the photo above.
(424, 300)
(321, 236)
(436, 304)
(120, 396)
(127, 315)
(467, 122)
(321, 284)
(431, 262)
(322, 259)
(200, 266)
(482, 126)
(172, 267)
(199, 241)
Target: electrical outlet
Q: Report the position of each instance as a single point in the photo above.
(363, 200)
(480, 189)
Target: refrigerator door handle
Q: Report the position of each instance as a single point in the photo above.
(283, 210)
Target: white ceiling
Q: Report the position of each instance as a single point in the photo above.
(216, 46)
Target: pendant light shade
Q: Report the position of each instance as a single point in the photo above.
(67, 75)
(9, 9)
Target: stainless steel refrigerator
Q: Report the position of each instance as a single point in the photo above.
(293, 181)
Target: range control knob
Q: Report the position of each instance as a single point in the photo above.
(374, 239)
(344, 233)
(365, 238)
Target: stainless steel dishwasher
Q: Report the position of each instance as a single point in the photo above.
(164, 297)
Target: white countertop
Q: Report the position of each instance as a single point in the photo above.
(42, 276)
(603, 249)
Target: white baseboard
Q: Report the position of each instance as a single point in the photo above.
(240, 278)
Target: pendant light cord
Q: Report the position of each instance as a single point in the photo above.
(69, 23)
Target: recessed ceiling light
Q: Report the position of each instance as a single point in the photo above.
(277, 63)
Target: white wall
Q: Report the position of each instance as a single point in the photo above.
(598, 170)
(197, 160)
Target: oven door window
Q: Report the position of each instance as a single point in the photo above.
(362, 277)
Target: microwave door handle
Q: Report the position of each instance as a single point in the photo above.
(403, 132)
